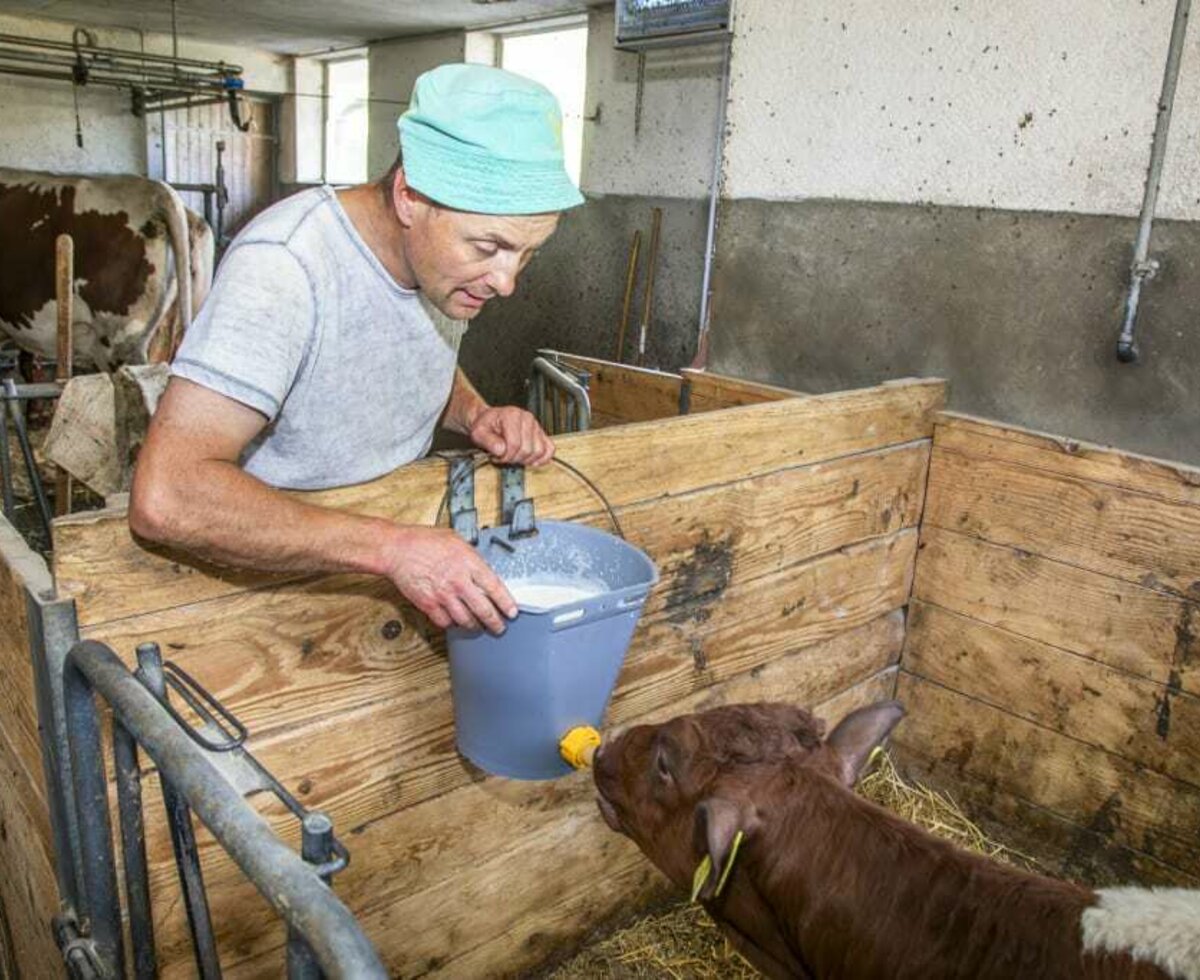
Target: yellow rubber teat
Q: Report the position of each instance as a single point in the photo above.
(579, 745)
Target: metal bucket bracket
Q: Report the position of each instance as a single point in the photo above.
(516, 510)
(464, 518)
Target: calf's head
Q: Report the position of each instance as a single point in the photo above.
(685, 788)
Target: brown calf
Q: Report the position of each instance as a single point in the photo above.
(826, 884)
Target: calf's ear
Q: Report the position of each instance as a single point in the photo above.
(720, 826)
(857, 735)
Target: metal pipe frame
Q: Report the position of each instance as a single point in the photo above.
(714, 194)
(183, 835)
(28, 42)
(292, 887)
(1142, 267)
(35, 479)
(577, 413)
(150, 72)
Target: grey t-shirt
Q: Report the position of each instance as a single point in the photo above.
(306, 326)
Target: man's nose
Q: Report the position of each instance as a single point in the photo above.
(502, 277)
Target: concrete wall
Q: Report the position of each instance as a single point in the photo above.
(37, 126)
(394, 66)
(951, 192)
(571, 294)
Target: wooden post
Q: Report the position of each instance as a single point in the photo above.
(655, 231)
(64, 288)
(630, 281)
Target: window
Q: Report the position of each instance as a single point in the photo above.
(557, 59)
(346, 120)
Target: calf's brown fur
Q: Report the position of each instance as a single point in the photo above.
(826, 884)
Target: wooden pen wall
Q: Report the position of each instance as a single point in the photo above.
(785, 533)
(28, 889)
(1052, 664)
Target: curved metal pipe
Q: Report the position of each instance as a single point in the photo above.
(290, 885)
(1143, 267)
(700, 360)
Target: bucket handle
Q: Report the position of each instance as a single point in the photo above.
(483, 460)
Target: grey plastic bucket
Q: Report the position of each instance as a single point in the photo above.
(555, 667)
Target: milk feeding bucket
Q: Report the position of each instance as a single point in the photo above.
(580, 592)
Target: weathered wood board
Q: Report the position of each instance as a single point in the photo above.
(705, 391)
(782, 530)
(1132, 806)
(1053, 648)
(28, 887)
(622, 393)
(110, 576)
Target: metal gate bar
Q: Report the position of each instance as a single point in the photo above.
(294, 888)
(558, 397)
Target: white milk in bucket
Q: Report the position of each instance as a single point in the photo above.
(546, 591)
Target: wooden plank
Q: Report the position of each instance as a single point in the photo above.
(313, 650)
(28, 887)
(1133, 807)
(708, 392)
(621, 393)
(1144, 632)
(412, 870)
(1150, 724)
(110, 576)
(21, 569)
(1057, 845)
(396, 753)
(1130, 535)
(1070, 457)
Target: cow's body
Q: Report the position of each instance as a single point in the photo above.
(130, 236)
(826, 884)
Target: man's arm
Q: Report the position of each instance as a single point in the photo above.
(509, 434)
(190, 492)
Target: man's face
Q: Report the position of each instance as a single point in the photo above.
(460, 260)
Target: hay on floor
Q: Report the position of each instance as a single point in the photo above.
(683, 943)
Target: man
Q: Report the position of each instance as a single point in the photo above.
(326, 352)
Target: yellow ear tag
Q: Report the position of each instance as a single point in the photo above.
(704, 869)
(700, 876)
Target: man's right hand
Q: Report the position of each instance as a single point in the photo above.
(443, 576)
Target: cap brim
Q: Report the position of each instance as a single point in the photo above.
(467, 180)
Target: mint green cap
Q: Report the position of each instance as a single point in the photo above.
(486, 140)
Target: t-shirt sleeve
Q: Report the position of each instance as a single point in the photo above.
(250, 338)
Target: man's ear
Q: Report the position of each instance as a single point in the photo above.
(404, 199)
(858, 734)
(718, 822)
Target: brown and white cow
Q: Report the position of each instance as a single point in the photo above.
(824, 883)
(131, 234)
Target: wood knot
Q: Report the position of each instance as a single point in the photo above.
(392, 629)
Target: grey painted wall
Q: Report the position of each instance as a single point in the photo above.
(1019, 310)
(570, 295)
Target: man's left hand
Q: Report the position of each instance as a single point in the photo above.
(512, 435)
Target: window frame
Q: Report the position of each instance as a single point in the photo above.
(340, 58)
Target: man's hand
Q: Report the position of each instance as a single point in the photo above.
(511, 435)
(441, 575)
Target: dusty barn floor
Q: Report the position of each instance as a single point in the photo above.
(682, 943)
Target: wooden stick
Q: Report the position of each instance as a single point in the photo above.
(655, 229)
(630, 282)
(64, 288)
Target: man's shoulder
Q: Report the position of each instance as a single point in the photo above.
(285, 221)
